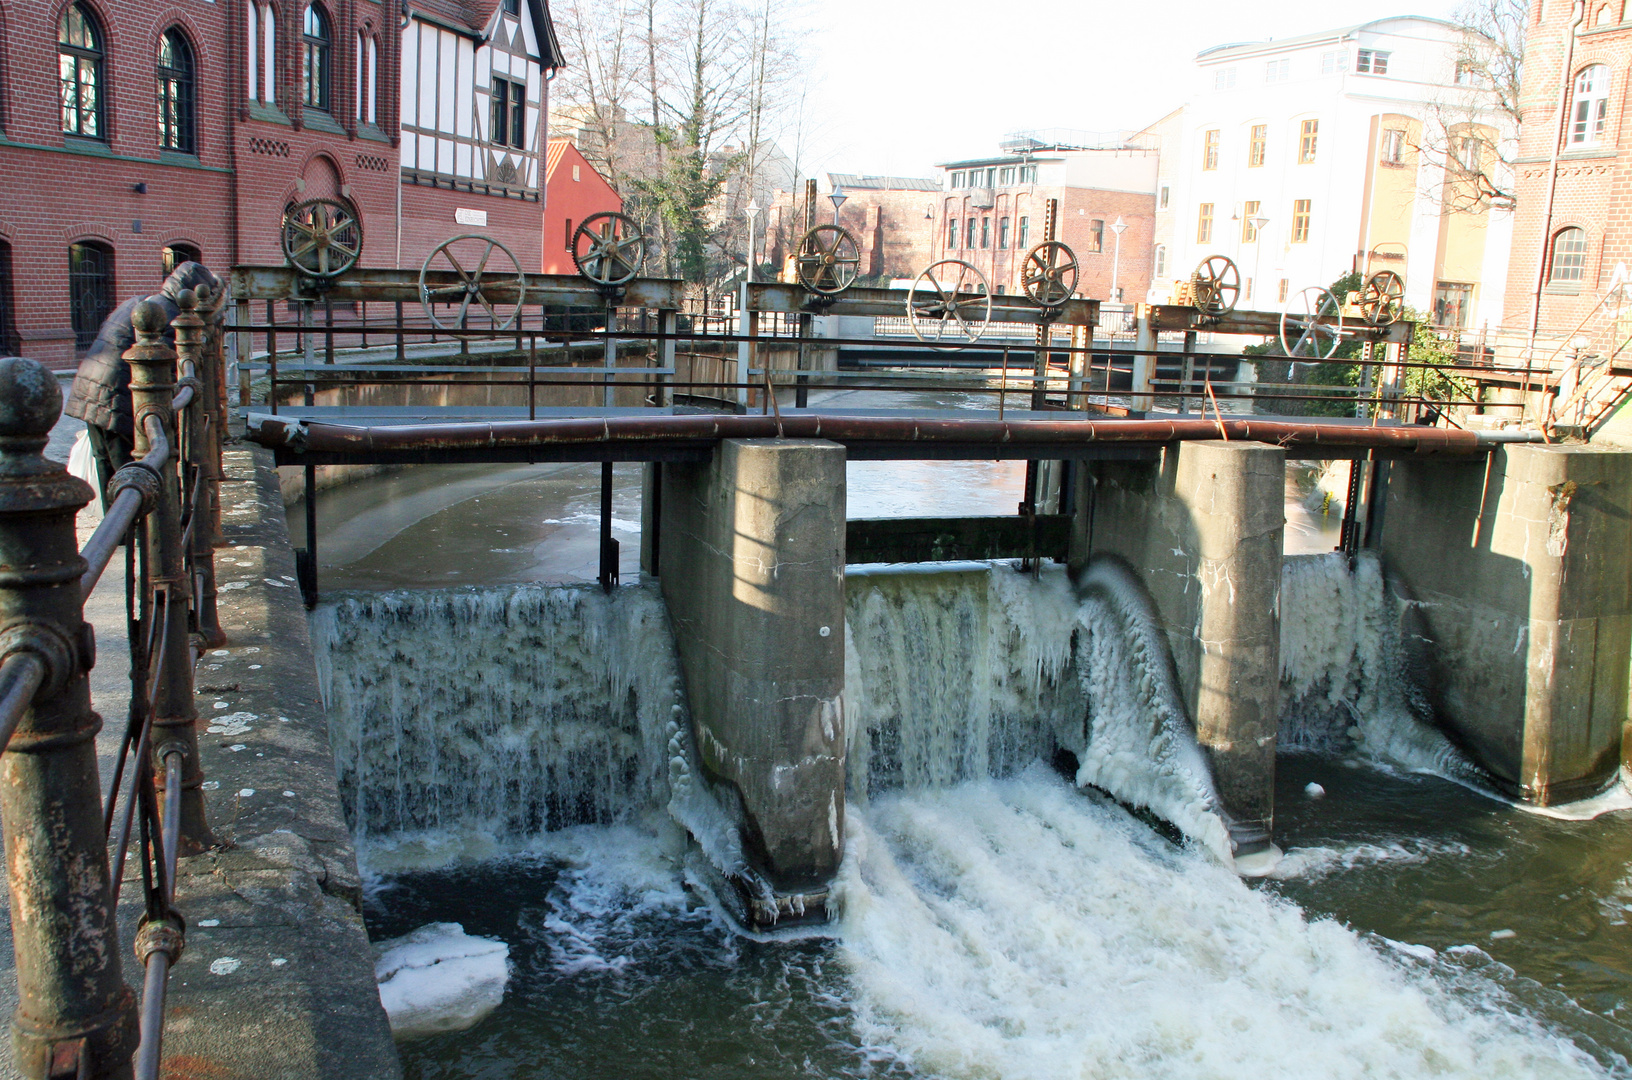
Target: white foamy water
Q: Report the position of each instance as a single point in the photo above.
(977, 672)
(1014, 929)
(1347, 675)
(499, 712)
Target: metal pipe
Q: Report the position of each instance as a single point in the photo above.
(20, 676)
(313, 436)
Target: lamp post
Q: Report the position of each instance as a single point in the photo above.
(837, 199)
(1258, 223)
(1116, 259)
(752, 210)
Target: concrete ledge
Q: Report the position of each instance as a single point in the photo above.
(282, 985)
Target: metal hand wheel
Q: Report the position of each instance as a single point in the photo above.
(321, 238)
(608, 249)
(827, 261)
(938, 300)
(1382, 301)
(1215, 286)
(1048, 275)
(1302, 334)
(471, 284)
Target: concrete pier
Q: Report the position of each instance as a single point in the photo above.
(1523, 577)
(751, 562)
(1204, 528)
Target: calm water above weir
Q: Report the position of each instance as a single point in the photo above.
(1008, 927)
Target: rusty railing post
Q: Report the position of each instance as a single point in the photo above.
(76, 1017)
(193, 340)
(152, 384)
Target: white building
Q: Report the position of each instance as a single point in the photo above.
(1353, 150)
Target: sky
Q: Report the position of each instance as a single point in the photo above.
(897, 85)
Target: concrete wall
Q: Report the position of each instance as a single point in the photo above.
(1204, 529)
(1530, 616)
(751, 560)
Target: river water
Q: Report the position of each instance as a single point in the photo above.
(1002, 925)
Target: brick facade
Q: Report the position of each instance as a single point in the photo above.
(227, 198)
(1593, 186)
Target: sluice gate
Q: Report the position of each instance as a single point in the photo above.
(745, 530)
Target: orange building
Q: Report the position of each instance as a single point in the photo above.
(573, 190)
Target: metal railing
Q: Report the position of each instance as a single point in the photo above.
(67, 843)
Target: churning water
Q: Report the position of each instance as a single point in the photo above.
(997, 919)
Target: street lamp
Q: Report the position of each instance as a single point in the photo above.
(752, 210)
(1116, 260)
(837, 199)
(1258, 223)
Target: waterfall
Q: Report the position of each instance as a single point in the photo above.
(1348, 678)
(502, 712)
(964, 674)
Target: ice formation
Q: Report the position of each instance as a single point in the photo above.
(975, 673)
(504, 711)
(1348, 677)
(439, 978)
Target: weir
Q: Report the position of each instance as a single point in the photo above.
(748, 539)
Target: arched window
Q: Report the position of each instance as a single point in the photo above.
(1569, 261)
(90, 288)
(175, 93)
(177, 253)
(79, 62)
(269, 54)
(1591, 111)
(1161, 261)
(316, 59)
(367, 70)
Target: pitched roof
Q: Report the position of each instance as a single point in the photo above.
(1342, 33)
(473, 17)
(858, 182)
(553, 153)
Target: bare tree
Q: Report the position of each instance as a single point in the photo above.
(672, 98)
(1472, 128)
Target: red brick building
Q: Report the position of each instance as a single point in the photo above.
(135, 133)
(992, 212)
(1572, 238)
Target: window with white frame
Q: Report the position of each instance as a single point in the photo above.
(368, 65)
(1590, 111)
(1161, 261)
(1371, 62)
(1334, 62)
(1392, 150)
(1278, 71)
(1569, 261)
(1224, 79)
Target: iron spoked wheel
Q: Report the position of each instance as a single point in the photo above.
(1303, 335)
(1382, 301)
(1049, 274)
(827, 261)
(950, 293)
(472, 284)
(321, 238)
(608, 249)
(1215, 286)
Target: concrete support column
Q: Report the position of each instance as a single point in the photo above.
(752, 567)
(1205, 528)
(1522, 572)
